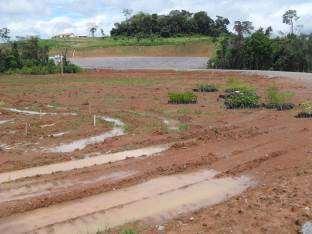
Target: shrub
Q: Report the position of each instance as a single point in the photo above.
(182, 98)
(242, 99)
(279, 100)
(71, 68)
(306, 110)
(206, 88)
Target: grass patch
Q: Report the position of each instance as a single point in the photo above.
(183, 127)
(128, 231)
(234, 84)
(206, 88)
(182, 98)
(92, 43)
(279, 100)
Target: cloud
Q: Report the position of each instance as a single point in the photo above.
(49, 17)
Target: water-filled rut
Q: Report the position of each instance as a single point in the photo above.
(165, 196)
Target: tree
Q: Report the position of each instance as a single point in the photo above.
(102, 32)
(243, 28)
(127, 13)
(203, 23)
(93, 30)
(290, 17)
(221, 24)
(5, 34)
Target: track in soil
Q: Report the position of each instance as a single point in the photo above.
(165, 196)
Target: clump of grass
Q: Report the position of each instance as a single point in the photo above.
(242, 99)
(206, 88)
(2, 103)
(306, 110)
(279, 100)
(128, 231)
(183, 127)
(234, 84)
(182, 98)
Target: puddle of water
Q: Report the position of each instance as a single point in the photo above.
(116, 122)
(82, 163)
(163, 197)
(59, 134)
(27, 191)
(5, 147)
(27, 112)
(83, 143)
(47, 125)
(6, 121)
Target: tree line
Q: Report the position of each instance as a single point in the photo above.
(259, 50)
(29, 57)
(177, 22)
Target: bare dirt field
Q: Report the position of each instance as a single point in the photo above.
(103, 151)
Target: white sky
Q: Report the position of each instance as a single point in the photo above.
(50, 17)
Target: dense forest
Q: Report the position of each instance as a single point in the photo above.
(174, 24)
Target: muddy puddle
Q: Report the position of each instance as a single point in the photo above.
(6, 121)
(160, 198)
(82, 163)
(118, 130)
(28, 112)
(42, 188)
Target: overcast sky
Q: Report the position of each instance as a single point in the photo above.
(50, 17)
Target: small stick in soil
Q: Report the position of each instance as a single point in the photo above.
(26, 128)
(94, 120)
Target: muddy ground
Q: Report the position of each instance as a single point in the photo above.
(270, 147)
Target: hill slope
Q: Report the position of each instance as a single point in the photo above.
(89, 47)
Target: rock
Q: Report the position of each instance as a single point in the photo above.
(307, 228)
(192, 218)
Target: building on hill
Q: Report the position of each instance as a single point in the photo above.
(65, 35)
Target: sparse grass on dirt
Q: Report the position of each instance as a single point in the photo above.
(278, 99)
(235, 84)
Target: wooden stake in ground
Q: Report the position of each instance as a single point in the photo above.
(26, 128)
(94, 120)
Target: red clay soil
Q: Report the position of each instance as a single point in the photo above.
(271, 147)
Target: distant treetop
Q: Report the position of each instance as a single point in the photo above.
(177, 22)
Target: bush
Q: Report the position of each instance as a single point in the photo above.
(279, 100)
(306, 110)
(182, 98)
(71, 68)
(242, 99)
(206, 88)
